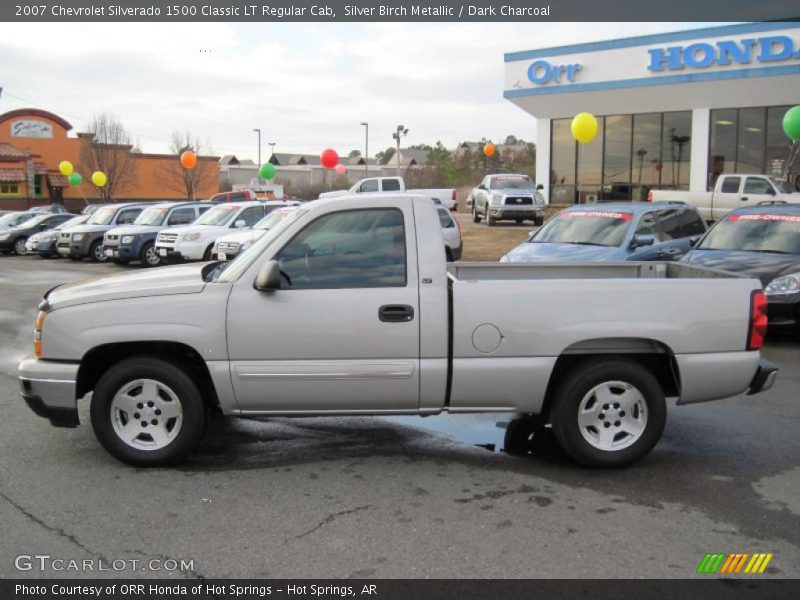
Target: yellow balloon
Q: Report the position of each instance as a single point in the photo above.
(584, 127)
(99, 178)
(66, 168)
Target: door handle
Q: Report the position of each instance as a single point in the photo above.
(744, 198)
(396, 313)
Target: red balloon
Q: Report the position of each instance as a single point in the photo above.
(189, 159)
(329, 158)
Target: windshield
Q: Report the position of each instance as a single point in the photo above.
(273, 218)
(755, 233)
(102, 216)
(73, 221)
(219, 215)
(33, 221)
(15, 219)
(242, 262)
(591, 227)
(518, 182)
(151, 216)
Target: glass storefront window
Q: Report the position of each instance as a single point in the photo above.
(562, 163)
(748, 140)
(676, 150)
(646, 153)
(590, 168)
(617, 177)
(630, 155)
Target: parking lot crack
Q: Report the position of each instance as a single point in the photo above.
(57, 530)
(328, 519)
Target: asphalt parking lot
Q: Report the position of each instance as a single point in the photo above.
(375, 497)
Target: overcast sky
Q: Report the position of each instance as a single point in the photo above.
(307, 86)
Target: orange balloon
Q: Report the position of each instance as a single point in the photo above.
(488, 149)
(189, 159)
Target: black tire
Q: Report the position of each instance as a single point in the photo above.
(207, 253)
(96, 252)
(579, 383)
(475, 217)
(538, 221)
(448, 254)
(519, 221)
(19, 246)
(148, 256)
(191, 401)
(489, 220)
(121, 262)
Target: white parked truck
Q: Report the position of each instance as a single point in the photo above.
(373, 185)
(731, 191)
(347, 307)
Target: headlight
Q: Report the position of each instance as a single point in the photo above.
(190, 237)
(127, 239)
(496, 199)
(77, 237)
(786, 284)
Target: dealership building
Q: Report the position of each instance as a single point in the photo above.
(674, 110)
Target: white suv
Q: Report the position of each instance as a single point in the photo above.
(196, 241)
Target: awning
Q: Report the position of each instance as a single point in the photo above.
(12, 175)
(57, 180)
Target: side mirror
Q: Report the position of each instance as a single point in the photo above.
(639, 241)
(268, 278)
(539, 187)
(772, 192)
(239, 224)
(694, 239)
(481, 187)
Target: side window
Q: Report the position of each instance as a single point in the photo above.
(391, 185)
(126, 217)
(181, 216)
(203, 209)
(348, 249)
(756, 185)
(370, 185)
(647, 226)
(670, 220)
(730, 185)
(693, 223)
(251, 215)
(445, 220)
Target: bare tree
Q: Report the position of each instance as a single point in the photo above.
(109, 150)
(179, 179)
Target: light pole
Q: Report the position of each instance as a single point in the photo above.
(366, 148)
(258, 131)
(401, 131)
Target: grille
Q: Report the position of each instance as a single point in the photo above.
(112, 238)
(519, 201)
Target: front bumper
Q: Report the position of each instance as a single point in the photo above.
(764, 378)
(75, 249)
(517, 212)
(43, 248)
(183, 251)
(6, 245)
(48, 388)
(121, 252)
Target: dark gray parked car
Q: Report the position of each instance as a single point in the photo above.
(13, 240)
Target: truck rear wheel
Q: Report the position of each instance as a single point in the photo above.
(609, 412)
(147, 412)
(475, 217)
(489, 220)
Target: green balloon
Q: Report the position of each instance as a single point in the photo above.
(267, 171)
(791, 123)
(75, 178)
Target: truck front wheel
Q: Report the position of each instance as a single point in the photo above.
(609, 412)
(147, 412)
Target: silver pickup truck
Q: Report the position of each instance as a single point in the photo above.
(349, 308)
